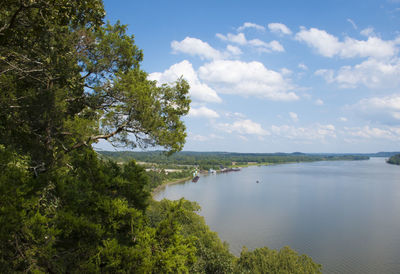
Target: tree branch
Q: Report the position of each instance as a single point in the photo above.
(12, 20)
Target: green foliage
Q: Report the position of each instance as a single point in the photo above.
(91, 220)
(157, 178)
(264, 260)
(68, 80)
(394, 160)
(212, 255)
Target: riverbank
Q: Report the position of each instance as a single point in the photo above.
(181, 180)
(167, 183)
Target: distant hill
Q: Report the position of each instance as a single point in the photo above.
(207, 160)
(385, 154)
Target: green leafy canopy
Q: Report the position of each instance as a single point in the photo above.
(68, 80)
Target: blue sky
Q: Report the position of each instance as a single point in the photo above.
(269, 76)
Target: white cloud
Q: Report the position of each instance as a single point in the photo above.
(352, 23)
(373, 47)
(367, 132)
(240, 39)
(253, 78)
(286, 71)
(368, 32)
(267, 47)
(325, 43)
(319, 102)
(385, 110)
(327, 74)
(294, 116)
(329, 45)
(204, 138)
(198, 138)
(194, 46)
(203, 112)
(233, 50)
(243, 127)
(198, 90)
(372, 73)
(279, 28)
(247, 25)
(342, 119)
(310, 133)
(303, 66)
(235, 115)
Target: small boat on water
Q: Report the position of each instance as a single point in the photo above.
(195, 179)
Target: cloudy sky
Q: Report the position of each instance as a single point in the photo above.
(269, 76)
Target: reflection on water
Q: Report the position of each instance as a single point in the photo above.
(344, 214)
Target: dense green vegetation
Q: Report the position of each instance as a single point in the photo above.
(68, 80)
(206, 160)
(394, 160)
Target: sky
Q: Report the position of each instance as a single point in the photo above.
(276, 76)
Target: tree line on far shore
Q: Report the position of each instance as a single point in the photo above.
(394, 160)
(207, 160)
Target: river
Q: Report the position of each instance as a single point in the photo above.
(344, 214)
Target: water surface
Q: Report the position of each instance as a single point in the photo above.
(344, 214)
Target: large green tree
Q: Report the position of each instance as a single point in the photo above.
(68, 80)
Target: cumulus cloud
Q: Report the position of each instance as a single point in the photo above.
(194, 46)
(310, 133)
(385, 110)
(372, 73)
(203, 112)
(248, 79)
(368, 32)
(241, 39)
(243, 127)
(325, 43)
(247, 25)
(367, 132)
(233, 50)
(266, 47)
(198, 90)
(329, 45)
(279, 28)
(294, 116)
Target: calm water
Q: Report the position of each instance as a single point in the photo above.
(344, 214)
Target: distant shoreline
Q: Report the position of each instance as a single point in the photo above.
(159, 188)
(168, 183)
(181, 180)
